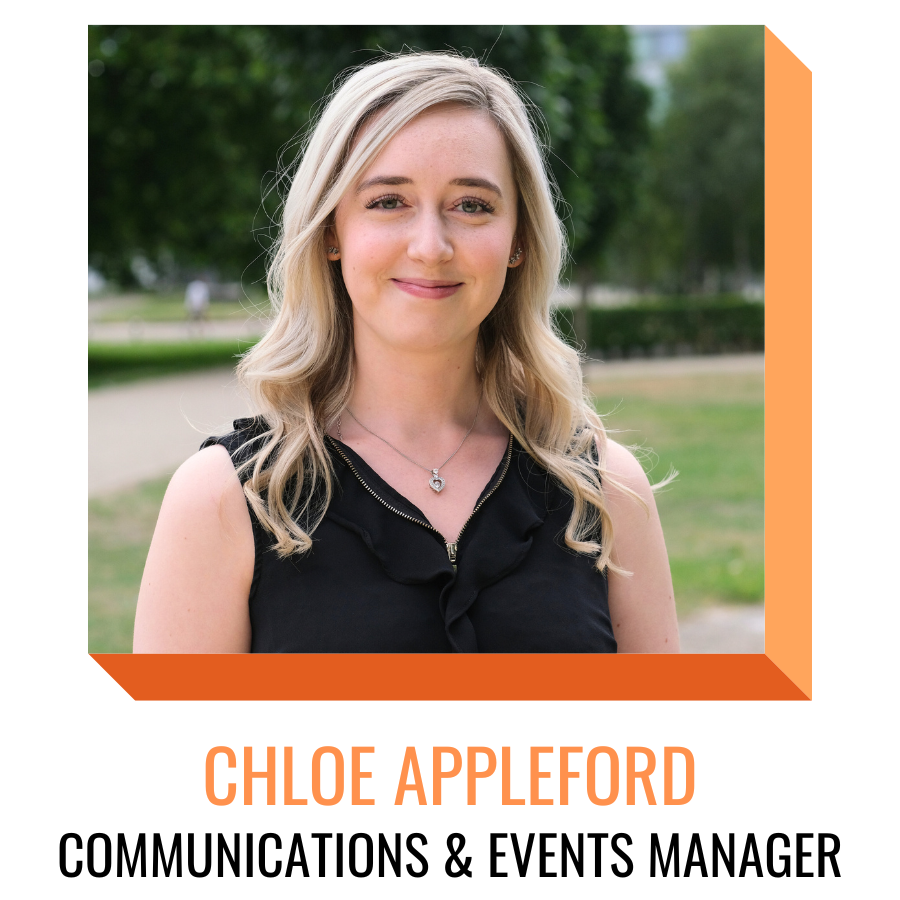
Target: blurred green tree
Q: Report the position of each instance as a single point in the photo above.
(698, 220)
(180, 131)
(187, 122)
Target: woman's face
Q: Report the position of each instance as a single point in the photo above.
(426, 233)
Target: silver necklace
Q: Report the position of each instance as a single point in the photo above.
(436, 482)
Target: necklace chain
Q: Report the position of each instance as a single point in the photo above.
(436, 482)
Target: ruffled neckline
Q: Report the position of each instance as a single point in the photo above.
(494, 542)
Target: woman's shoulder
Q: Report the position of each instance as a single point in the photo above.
(206, 479)
(199, 570)
(205, 488)
(243, 440)
(624, 469)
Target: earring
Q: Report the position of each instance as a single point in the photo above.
(516, 256)
(333, 251)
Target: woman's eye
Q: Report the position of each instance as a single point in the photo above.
(385, 203)
(474, 206)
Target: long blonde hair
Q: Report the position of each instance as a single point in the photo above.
(300, 375)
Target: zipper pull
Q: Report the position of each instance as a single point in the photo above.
(451, 552)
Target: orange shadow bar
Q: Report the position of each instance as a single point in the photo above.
(788, 542)
(427, 676)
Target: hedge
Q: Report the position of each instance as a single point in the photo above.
(670, 326)
(113, 363)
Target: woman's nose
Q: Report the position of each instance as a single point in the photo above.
(429, 241)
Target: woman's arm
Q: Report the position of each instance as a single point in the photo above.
(196, 584)
(641, 605)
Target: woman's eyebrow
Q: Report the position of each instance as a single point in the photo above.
(393, 180)
(383, 179)
(478, 182)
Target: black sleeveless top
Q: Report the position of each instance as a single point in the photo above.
(380, 579)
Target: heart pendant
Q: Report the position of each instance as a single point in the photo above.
(436, 483)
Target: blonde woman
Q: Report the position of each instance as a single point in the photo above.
(425, 473)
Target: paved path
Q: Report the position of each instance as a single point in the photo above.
(724, 629)
(147, 429)
(673, 367)
(138, 330)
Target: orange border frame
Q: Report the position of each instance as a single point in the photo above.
(784, 672)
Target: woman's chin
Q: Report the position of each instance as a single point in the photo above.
(417, 337)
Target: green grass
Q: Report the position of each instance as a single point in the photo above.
(117, 363)
(119, 530)
(709, 427)
(170, 308)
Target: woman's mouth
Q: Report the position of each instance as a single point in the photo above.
(428, 288)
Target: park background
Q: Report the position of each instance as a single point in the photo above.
(656, 140)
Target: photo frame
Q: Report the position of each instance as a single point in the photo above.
(783, 672)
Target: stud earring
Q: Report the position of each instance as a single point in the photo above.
(333, 251)
(516, 256)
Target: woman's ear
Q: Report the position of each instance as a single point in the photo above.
(516, 252)
(332, 248)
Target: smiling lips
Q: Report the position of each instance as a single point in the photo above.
(425, 287)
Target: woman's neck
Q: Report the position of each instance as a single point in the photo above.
(409, 394)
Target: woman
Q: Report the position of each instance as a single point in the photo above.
(426, 474)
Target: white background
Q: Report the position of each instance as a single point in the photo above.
(80, 755)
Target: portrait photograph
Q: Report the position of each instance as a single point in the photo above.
(426, 339)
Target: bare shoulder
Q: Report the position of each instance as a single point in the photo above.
(206, 484)
(199, 569)
(642, 602)
(627, 471)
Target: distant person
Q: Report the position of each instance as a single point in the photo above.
(426, 474)
(196, 299)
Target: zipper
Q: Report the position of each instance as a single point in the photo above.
(452, 546)
(480, 503)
